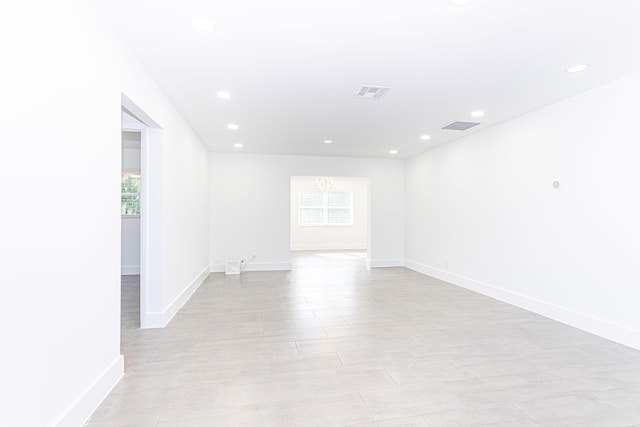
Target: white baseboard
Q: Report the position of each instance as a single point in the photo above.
(379, 263)
(128, 270)
(217, 268)
(255, 266)
(160, 320)
(585, 322)
(329, 247)
(88, 402)
(152, 320)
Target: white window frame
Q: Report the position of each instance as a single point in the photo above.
(325, 209)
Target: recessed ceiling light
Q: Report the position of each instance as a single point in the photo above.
(327, 141)
(202, 24)
(460, 2)
(478, 113)
(425, 137)
(393, 151)
(232, 126)
(223, 95)
(237, 145)
(577, 68)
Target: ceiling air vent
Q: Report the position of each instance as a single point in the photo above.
(371, 92)
(460, 125)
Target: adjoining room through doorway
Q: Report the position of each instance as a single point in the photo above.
(330, 221)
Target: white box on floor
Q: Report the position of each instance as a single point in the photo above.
(232, 267)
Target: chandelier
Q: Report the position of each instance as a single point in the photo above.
(324, 183)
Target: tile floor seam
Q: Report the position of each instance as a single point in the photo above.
(406, 344)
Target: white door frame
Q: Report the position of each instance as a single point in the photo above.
(151, 224)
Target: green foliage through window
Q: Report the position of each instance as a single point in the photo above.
(330, 208)
(130, 189)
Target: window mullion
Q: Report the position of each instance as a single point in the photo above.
(325, 208)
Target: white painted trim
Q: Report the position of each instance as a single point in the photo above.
(132, 127)
(128, 270)
(381, 263)
(355, 247)
(255, 266)
(217, 268)
(160, 320)
(582, 321)
(152, 320)
(151, 228)
(136, 112)
(88, 402)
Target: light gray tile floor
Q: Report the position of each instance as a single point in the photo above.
(331, 343)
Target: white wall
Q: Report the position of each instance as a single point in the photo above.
(130, 160)
(60, 272)
(130, 249)
(482, 212)
(354, 236)
(130, 231)
(250, 205)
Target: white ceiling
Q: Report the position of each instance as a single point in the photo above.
(292, 67)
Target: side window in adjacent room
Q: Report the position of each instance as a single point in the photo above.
(130, 197)
(325, 208)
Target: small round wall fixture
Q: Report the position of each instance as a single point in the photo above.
(577, 68)
(556, 185)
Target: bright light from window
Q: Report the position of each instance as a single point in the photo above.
(325, 208)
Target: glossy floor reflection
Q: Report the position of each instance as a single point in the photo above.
(332, 343)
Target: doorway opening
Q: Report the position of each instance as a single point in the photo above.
(330, 221)
(130, 222)
(141, 239)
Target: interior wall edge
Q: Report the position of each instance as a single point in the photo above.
(179, 302)
(383, 263)
(162, 319)
(582, 321)
(88, 402)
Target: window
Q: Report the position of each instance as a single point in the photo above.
(130, 199)
(330, 208)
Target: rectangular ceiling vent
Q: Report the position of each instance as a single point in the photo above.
(371, 92)
(460, 125)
